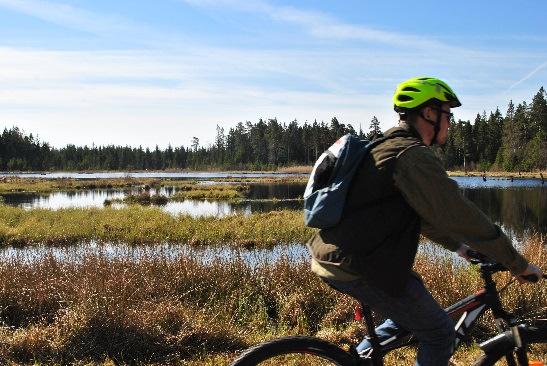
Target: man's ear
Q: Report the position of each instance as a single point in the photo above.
(426, 112)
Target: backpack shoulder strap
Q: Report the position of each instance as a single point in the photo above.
(397, 133)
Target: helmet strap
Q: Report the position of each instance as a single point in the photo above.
(436, 126)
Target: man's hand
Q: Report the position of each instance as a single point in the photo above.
(462, 252)
(530, 270)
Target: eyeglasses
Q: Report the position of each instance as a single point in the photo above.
(450, 114)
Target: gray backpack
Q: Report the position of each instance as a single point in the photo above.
(330, 179)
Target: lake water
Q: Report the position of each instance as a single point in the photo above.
(293, 253)
(518, 206)
(277, 196)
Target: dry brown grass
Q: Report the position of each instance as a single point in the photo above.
(449, 282)
(156, 309)
(16, 184)
(296, 169)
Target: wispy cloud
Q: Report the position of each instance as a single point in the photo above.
(422, 54)
(69, 16)
(203, 87)
(528, 76)
(173, 81)
(324, 26)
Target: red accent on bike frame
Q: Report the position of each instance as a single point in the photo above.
(358, 313)
(469, 306)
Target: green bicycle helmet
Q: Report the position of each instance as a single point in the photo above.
(414, 92)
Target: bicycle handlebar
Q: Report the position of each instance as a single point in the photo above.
(492, 266)
(476, 257)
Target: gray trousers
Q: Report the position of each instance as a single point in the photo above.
(414, 310)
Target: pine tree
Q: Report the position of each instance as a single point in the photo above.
(374, 128)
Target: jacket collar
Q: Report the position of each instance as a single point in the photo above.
(405, 127)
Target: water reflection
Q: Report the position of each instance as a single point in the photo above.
(517, 209)
(517, 206)
(198, 208)
(479, 182)
(277, 190)
(293, 253)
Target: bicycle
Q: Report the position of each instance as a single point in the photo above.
(511, 343)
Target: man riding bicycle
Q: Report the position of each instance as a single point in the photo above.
(399, 191)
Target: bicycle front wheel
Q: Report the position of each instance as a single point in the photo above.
(502, 351)
(296, 351)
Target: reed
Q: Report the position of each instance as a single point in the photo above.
(147, 225)
(164, 309)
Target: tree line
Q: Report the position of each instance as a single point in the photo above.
(516, 141)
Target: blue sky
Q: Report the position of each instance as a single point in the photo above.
(159, 72)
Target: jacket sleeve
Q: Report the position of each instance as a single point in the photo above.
(447, 216)
(431, 233)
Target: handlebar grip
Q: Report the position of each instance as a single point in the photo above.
(485, 262)
(476, 257)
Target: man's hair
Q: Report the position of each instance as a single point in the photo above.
(410, 115)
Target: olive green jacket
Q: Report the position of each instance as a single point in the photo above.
(406, 169)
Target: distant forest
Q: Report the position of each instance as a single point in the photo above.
(516, 141)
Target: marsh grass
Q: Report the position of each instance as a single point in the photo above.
(147, 225)
(15, 184)
(36, 185)
(211, 191)
(144, 198)
(296, 169)
(156, 309)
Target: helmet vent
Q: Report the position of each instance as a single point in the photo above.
(448, 96)
(404, 98)
(411, 89)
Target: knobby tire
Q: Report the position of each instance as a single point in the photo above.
(296, 345)
(535, 335)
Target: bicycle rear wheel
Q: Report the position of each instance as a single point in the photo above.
(535, 336)
(296, 351)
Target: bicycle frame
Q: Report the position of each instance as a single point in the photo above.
(467, 311)
(511, 341)
(464, 313)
